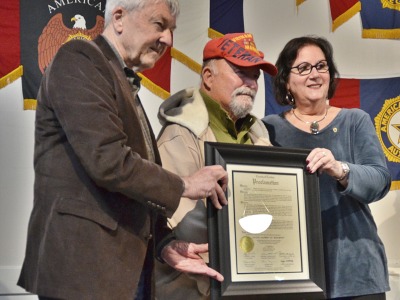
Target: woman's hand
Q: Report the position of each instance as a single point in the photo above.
(323, 161)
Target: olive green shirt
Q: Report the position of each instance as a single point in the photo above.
(223, 127)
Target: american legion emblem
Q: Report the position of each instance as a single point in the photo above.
(387, 124)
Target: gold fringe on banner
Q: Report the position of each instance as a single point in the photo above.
(346, 16)
(395, 185)
(298, 2)
(381, 33)
(11, 77)
(154, 88)
(186, 60)
(212, 34)
(30, 104)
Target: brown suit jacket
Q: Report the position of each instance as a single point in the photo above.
(95, 191)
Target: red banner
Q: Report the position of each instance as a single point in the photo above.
(342, 11)
(10, 45)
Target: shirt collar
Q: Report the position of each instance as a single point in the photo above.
(130, 74)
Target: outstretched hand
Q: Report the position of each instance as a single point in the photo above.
(184, 257)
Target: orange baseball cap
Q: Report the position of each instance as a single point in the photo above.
(239, 49)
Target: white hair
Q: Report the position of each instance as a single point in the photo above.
(130, 5)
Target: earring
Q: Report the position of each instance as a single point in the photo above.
(289, 99)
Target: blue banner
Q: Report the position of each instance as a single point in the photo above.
(380, 19)
(226, 16)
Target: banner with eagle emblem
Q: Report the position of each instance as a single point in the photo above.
(45, 26)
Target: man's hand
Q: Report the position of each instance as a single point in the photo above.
(184, 257)
(208, 182)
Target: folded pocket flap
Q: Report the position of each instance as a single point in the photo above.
(87, 211)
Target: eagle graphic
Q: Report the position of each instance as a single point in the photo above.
(55, 34)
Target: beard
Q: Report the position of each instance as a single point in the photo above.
(242, 102)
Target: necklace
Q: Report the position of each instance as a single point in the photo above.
(314, 125)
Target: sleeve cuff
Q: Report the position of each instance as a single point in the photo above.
(160, 246)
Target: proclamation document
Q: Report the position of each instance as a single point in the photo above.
(280, 251)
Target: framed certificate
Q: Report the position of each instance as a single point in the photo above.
(267, 242)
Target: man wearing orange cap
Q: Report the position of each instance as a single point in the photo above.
(218, 111)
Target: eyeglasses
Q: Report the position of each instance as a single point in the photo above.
(306, 68)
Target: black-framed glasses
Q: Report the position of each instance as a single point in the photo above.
(305, 68)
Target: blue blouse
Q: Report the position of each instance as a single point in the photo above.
(355, 260)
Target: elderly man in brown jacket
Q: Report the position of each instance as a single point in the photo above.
(101, 197)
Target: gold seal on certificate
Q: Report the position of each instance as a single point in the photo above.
(246, 244)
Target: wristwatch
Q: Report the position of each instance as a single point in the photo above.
(346, 171)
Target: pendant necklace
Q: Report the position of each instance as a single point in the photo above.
(314, 125)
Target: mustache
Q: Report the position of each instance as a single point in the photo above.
(244, 91)
(240, 107)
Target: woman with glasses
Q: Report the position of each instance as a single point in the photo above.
(347, 155)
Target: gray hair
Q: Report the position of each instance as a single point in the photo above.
(130, 5)
(210, 63)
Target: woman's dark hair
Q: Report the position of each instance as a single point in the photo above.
(289, 54)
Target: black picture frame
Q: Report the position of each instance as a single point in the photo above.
(219, 231)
